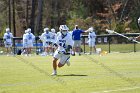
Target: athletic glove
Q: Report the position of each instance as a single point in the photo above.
(61, 52)
(55, 45)
(68, 48)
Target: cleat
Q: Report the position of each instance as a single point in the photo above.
(53, 74)
(68, 63)
(73, 54)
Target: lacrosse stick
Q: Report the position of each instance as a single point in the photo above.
(113, 32)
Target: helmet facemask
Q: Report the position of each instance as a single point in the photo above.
(64, 32)
(46, 30)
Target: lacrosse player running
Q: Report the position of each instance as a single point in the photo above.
(8, 36)
(46, 39)
(92, 38)
(64, 46)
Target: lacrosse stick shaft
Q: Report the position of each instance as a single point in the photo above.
(112, 31)
(127, 37)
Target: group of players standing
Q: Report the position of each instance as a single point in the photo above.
(64, 42)
(48, 38)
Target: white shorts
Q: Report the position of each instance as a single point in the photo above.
(91, 43)
(46, 44)
(8, 44)
(77, 43)
(63, 58)
(25, 45)
(29, 45)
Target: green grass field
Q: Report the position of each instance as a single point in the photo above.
(111, 73)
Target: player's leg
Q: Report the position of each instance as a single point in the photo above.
(74, 48)
(6, 46)
(28, 51)
(94, 47)
(90, 48)
(50, 49)
(64, 59)
(54, 66)
(30, 48)
(55, 58)
(79, 47)
(46, 48)
(7, 51)
(11, 49)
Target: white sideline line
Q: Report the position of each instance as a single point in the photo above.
(124, 89)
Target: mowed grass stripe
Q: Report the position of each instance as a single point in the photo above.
(83, 76)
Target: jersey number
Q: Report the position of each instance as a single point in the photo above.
(62, 45)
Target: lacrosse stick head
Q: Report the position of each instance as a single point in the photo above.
(110, 31)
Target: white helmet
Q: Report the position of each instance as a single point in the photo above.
(64, 29)
(91, 29)
(53, 30)
(46, 29)
(7, 30)
(29, 30)
(26, 31)
(139, 20)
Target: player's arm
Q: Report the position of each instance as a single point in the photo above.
(137, 37)
(12, 36)
(56, 43)
(69, 45)
(4, 38)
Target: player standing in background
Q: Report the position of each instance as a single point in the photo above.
(64, 46)
(138, 37)
(92, 39)
(76, 36)
(8, 36)
(30, 39)
(46, 39)
(53, 39)
(25, 43)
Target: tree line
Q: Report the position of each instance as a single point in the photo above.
(18, 15)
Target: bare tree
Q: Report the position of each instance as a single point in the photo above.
(39, 18)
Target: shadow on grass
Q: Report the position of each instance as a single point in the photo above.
(72, 75)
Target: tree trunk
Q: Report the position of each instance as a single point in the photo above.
(39, 19)
(9, 5)
(32, 23)
(14, 22)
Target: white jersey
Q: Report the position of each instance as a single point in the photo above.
(63, 42)
(8, 37)
(70, 33)
(92, 36)
(30, 39)
(25, 40)
(46, 37)
(58, 33)
(53, 37)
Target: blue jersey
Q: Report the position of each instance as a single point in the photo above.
(76, 35)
